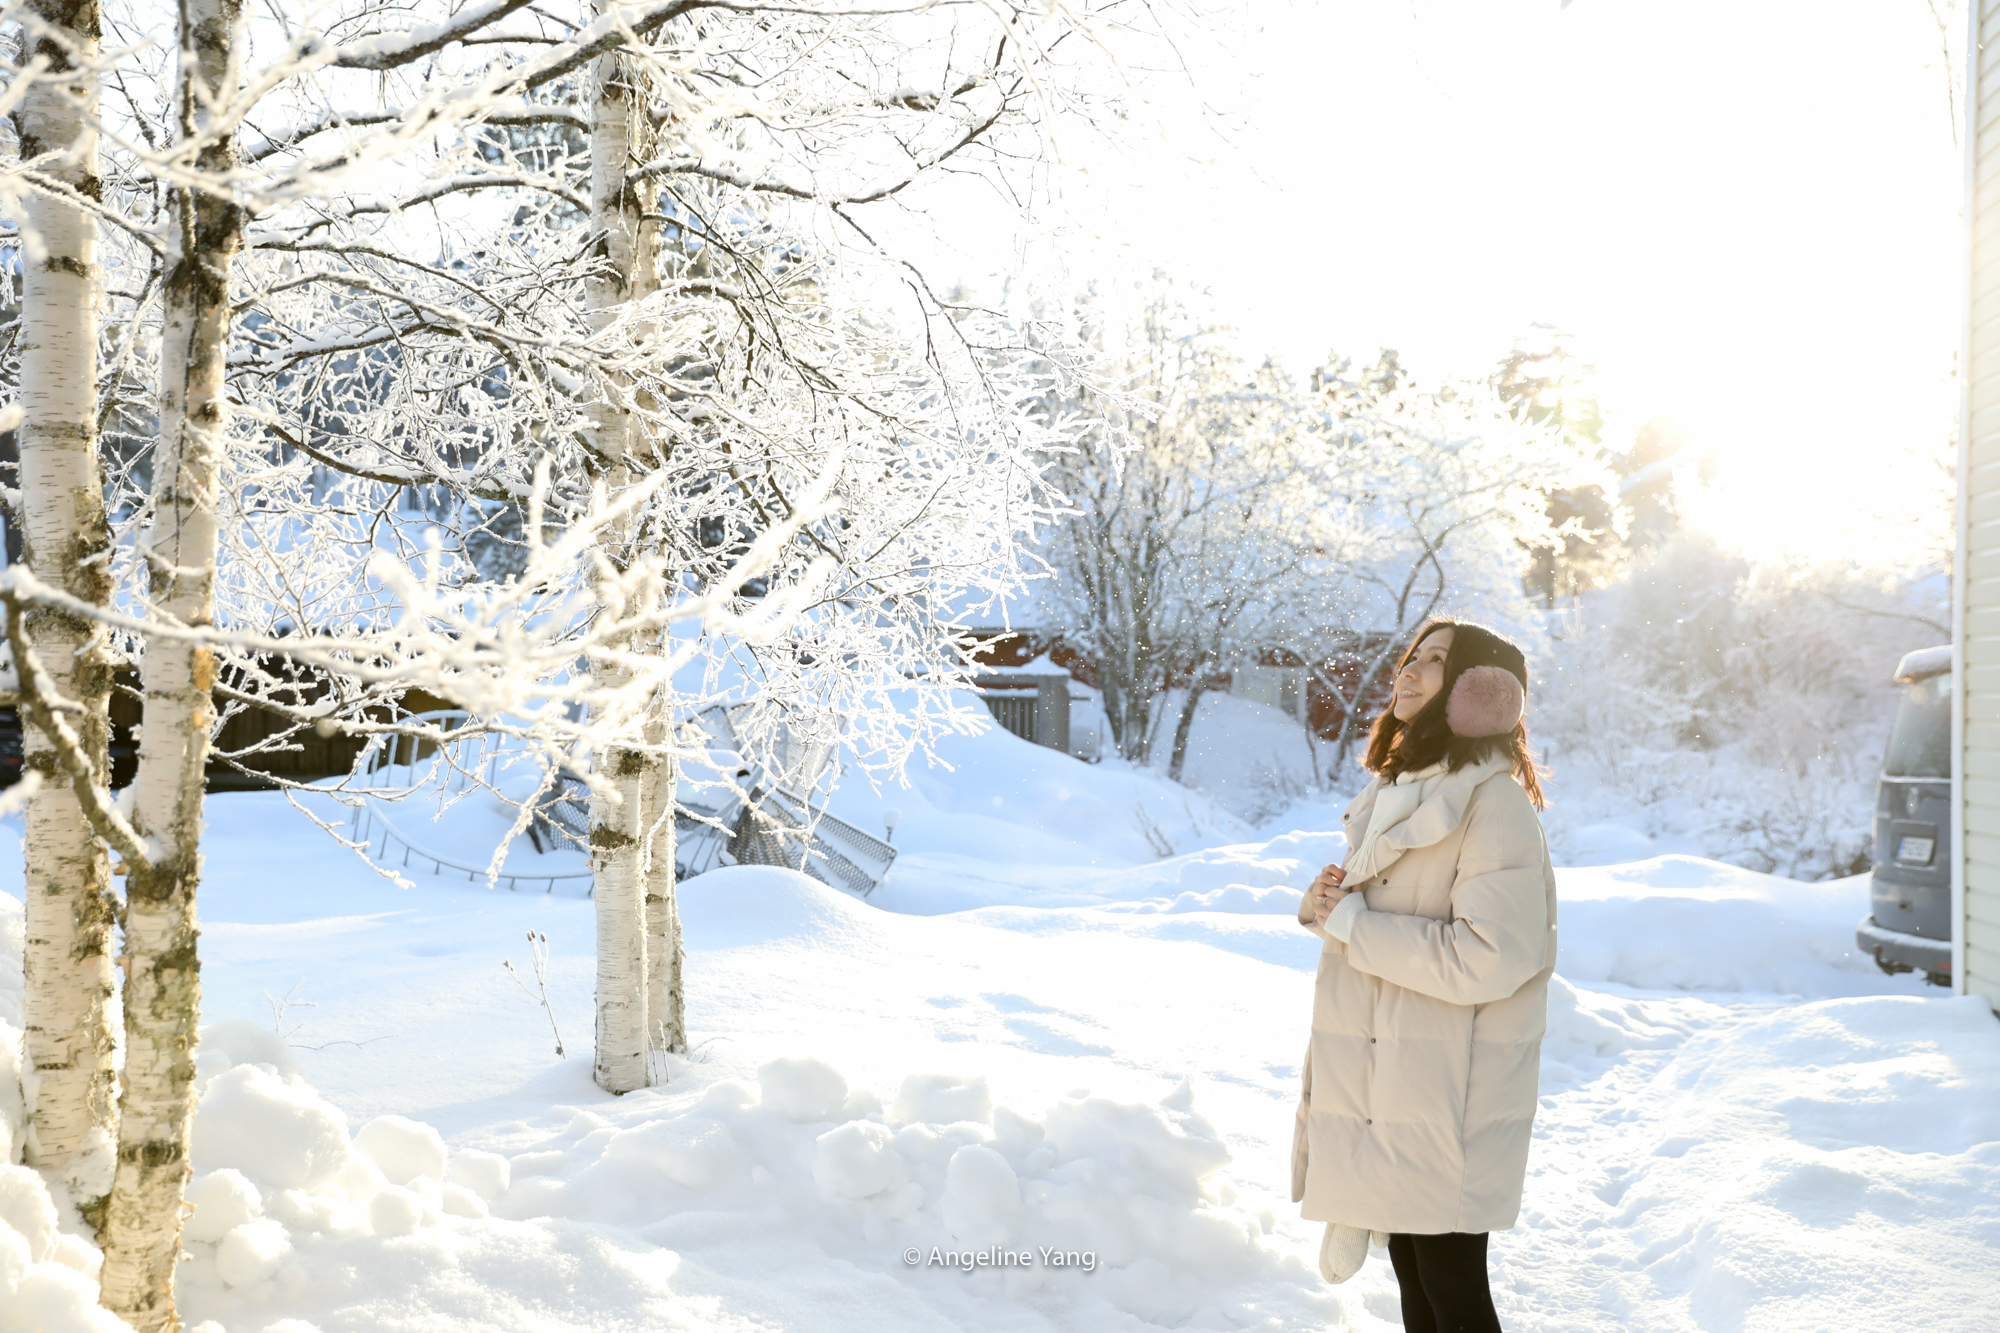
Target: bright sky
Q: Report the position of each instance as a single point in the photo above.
(1744, 211)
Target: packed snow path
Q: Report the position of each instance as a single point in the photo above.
(1769, 1137)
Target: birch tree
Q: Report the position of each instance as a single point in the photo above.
(761, 385)
(623, 274)
(60, 508)
(142, 1232)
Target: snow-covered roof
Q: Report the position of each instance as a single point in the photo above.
(1924, 662)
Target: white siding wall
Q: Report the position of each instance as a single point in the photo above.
(1976, 878)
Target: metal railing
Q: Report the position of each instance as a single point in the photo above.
(399, 760)
(769, 824)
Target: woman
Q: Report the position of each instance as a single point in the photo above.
(1440, 929)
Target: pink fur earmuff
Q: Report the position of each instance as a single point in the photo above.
(1486, 701)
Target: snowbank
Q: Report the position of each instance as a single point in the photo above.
(1093, 1210)
(996, 800)
(48, 1277)
(1682, 923)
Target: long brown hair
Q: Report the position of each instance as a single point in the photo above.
(1395, 746)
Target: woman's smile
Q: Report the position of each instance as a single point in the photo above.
(1423, 675)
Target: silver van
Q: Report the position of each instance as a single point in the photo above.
(1909, 925)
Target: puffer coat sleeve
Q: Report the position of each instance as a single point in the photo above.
(1497, 935)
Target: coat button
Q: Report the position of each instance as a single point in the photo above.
(1371, 1041)
(1368, 1122)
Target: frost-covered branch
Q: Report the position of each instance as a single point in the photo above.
(47, 709)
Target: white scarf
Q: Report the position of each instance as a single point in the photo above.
(1394, 803)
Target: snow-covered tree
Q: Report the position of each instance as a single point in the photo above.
(398, 298)
(1444, 481)
(1187, 528)
(706, 309)
(1226, 512)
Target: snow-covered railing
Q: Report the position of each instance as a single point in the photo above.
(399, 761)
(375, 825)
(772, 825)
(779, 828)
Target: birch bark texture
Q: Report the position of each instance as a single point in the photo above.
(623, 274)
(69, 1041)
(666, 1013)
(142, 1229)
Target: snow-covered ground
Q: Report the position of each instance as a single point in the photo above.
(1039, 1038)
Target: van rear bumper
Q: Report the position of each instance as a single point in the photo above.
(1903, 950)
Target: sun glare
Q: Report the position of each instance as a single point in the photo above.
(1745, 217)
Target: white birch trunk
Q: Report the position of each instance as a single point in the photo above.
(618, 818)
(142, 1228)
(67, 1069)
(666, 1025)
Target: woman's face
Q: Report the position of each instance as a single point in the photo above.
(1422, 676)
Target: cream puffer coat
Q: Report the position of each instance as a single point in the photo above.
(1421, 1080)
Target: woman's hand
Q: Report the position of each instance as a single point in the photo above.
(1325, 892)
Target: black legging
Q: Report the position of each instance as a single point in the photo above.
(1444, 1282)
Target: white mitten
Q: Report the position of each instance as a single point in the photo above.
(1342, 1252)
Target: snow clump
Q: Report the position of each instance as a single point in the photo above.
(48, 1279)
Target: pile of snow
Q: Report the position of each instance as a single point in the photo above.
(1091, 1211)
(993, 799)
(671, 1205)
(48, 1276)
(279, 1180)
(1682, 923)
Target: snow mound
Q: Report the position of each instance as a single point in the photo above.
(996, 799)
(1133, 1189)
(802, 1089)
(48, 1280)
(944, 1098)
(1096, 1212)
(1683, 923)
(1604, 844)
(739, 905)
(1255, 878)
(1589, 1030)
(270, 1128)
(404, 1149)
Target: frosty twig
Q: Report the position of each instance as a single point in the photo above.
(538, 946)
